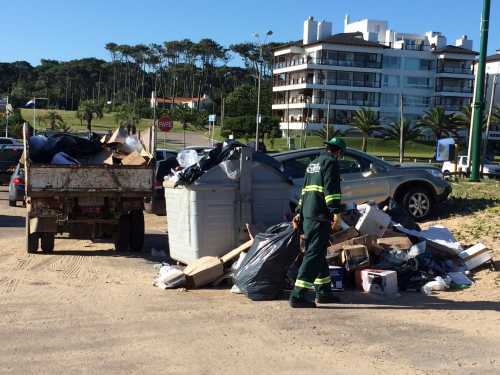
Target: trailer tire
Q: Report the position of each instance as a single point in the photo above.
(122, 238)
(136, 230)
(47, 242)
(31, 239)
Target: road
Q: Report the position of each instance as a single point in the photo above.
(87, 310)
(175, 140)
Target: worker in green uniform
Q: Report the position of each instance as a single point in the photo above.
(316, 211)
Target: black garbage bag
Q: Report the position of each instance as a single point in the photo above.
(262, 275)
(43, 149)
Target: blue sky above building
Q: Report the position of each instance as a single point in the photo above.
(65, 30)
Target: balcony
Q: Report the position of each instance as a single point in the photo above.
(330, 82)
(455, 70)
(349, 63)
(459, 89)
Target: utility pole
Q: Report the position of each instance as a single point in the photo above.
(7, 111)
(401, 129)
(477, 106)
(259, 68)
(328, 121)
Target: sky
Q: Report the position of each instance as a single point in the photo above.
(64, 30)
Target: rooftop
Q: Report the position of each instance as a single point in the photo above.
(349, 39)
(455, 49)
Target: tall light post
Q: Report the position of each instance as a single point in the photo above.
(34, 112)
(477, 105)
(259, 68)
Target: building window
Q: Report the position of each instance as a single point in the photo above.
(391, 80)
(416, 101)
(392, 62)
(418, 82)
(391, 100)
(412, 63)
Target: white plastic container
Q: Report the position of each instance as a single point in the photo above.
(208, 217)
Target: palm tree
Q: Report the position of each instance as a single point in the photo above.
(410, 133)
(495, 115)
(463, 119)
(126, 117)
(62, 127)
(52, 118)
(366, 121)
(438, 122)
(332, 132)
(87, 110)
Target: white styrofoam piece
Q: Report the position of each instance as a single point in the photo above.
(436, 233)
(373, 221)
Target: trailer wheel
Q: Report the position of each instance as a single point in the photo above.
(31, 239)
(47, 242)
(122, 238)
(136, 230)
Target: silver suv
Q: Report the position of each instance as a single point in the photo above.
(367, 178)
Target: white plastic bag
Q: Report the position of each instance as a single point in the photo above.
(169, 277)
(436, 285)
(187, 158)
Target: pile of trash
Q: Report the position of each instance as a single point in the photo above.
(372, 252)
(118, 148)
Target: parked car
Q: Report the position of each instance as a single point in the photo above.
(10, 153)
(488, 169)
(156, 204)
(367, 178)
(16, 186)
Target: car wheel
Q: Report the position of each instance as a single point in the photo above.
(47, 242)
(419, 203)
(12, 203)
(122, 241)
(136, 230)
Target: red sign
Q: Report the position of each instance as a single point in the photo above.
(165, 124)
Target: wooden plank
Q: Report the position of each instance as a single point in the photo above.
(235, 252)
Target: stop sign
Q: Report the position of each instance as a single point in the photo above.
(165, 124)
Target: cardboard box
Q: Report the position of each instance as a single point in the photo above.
(476, 256)
(380, 282)
(367, 240)
(355, 257)
(134, 158)
(399, 242)
(337, 275)
(203, 271)
(343, 235)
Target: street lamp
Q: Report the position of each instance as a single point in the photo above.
(260, 44)
(34, 112)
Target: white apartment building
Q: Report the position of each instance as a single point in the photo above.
(492, 70)
(368, 66)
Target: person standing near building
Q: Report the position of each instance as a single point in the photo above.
(316, 211)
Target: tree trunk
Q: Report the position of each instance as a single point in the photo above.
(365, 144)
(89, 125)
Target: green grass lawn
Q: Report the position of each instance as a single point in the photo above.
(376, 146)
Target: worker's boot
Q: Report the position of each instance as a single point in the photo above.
(326, 298)
(300, 303)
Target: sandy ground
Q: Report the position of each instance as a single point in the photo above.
(86, 309)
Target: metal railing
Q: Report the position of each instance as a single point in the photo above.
(455, 70)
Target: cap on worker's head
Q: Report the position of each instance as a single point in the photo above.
(337, 143)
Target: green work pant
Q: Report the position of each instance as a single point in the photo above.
(314, 272)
